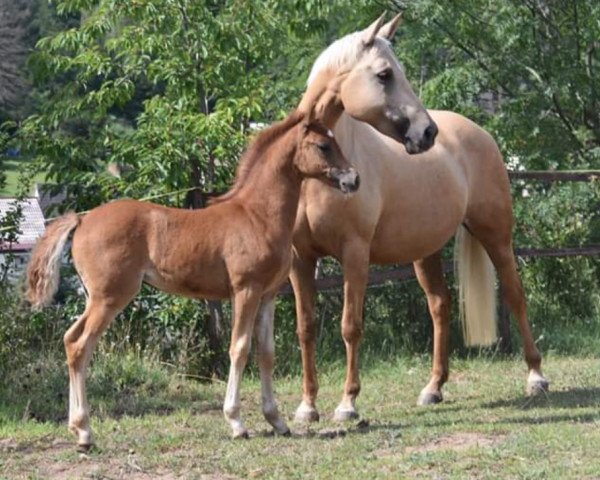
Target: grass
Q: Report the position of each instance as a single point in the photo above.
(12, 168)
(166, 426)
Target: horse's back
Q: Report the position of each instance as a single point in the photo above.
(489, 195)
(113, 222)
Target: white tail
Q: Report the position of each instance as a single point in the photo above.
(44, 266)
(476, 290)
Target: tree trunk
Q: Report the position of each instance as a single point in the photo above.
(214, 319)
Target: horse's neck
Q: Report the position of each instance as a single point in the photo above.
(347, 132)
(322, 97)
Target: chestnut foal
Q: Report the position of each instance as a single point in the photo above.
(239, 247)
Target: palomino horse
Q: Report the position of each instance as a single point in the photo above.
(408, 208)
(238, 248)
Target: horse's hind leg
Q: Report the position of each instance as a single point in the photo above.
(80, 341)
(302, 276)
(431, 278)
(500, 251)
(265, 349)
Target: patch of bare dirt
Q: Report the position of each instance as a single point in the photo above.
(458, 441)
(43, 462)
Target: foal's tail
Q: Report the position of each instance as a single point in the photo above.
(476, 290)
(44, 266)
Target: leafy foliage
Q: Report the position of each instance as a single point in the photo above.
(536, 60)
(165, 88)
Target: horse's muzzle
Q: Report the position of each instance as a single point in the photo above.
(424, 142)
(348, 180)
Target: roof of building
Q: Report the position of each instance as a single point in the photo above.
(32, 224)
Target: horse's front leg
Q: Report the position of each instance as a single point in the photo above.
(431, 278)
(245, 309)
(302, 276)
(265, 349)
(355, 263)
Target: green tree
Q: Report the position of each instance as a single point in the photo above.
(167, 88)
(537, 61)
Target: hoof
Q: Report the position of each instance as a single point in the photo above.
(286, 433)
(306, 415)
(84, 447)
(280, 428)
(341, 415)
(242, 434)
(537, 387)
(84, 438)
(428, 398)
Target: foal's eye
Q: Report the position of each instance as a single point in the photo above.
(385, 75)
(324, 147)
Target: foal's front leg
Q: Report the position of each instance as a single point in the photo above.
(265, 347)
(355, 262)
(245, 308)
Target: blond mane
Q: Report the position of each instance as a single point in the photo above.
(342, 54)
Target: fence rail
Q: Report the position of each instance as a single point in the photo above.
(407, 272)
(556, 176)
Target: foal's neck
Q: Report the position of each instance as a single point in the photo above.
(272, 192)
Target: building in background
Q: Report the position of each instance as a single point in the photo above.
(14, 255)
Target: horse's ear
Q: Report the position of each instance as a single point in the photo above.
(369, 33)
(389, 29)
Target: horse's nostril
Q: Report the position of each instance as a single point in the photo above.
(430, 133)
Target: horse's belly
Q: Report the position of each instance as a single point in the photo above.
(406, 249)
(205, 282)
(405, 238)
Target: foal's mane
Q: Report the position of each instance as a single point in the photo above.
(256, 151)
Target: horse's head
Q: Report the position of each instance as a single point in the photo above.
(319, 156)
(362, 75)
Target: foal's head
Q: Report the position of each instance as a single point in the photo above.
(319, 156)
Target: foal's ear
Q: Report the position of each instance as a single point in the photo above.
(309, 118)
(369, 33)
(389, 29)
(311, 114)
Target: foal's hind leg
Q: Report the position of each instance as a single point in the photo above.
(431, 278)
(80, 341)
(499, 248)
(265, 349)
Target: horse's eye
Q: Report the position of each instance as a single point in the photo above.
(385, 75)
(324, 147)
